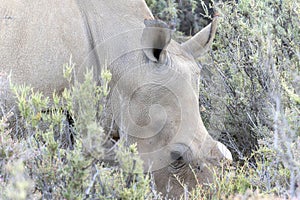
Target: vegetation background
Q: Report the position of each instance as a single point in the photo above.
(250, 101)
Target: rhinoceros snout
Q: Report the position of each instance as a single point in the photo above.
(224, 151)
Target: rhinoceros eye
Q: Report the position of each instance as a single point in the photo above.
(178, 160)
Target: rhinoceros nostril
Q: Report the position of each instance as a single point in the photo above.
(199, 167)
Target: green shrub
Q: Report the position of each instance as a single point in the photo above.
(186, 16)
(59, 158)
(250, 90)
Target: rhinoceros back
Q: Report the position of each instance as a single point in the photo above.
(37, 37)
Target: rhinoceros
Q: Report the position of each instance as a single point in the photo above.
(153, 99)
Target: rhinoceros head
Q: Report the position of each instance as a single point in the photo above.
(155, 104)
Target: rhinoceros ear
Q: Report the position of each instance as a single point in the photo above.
(155, 39)
(201, 42)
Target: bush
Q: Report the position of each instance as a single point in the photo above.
(186, 16)
(250, 87)
(63, 159)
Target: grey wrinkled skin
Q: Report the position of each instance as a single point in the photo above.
(154, 89)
